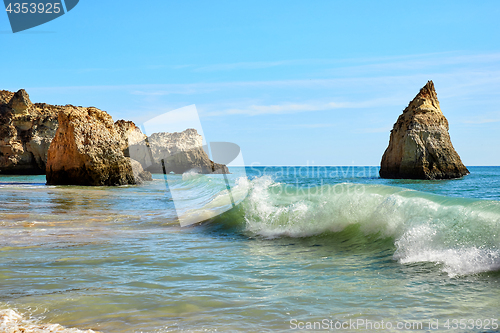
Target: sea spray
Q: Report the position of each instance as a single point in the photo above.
(461, 234)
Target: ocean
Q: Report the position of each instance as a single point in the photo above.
(313, 248)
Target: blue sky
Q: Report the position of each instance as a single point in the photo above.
(291, 82)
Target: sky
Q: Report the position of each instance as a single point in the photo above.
(290, 82)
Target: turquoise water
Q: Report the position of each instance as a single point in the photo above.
(307, 244)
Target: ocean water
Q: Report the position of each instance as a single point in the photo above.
(318, 248)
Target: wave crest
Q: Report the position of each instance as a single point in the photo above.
(462, 234)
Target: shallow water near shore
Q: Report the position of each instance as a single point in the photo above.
(307, 244)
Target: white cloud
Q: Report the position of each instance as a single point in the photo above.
(285, 108)
(362, 65)
(468, 77)
(289, 108)
(241, 65)
(384, 129)
(481, 121)
(314, 125)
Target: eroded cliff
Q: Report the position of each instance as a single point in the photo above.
(87, 150)
(26, 131)
(180, 152)
(82, 146)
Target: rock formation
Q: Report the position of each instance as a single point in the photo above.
(26, 130)
(87, 150)
(130, 135)
(180, 152)
(129, 132)
(420, 145)
(140, 175)
(5, 96)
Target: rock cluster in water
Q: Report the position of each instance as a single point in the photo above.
(420, 145)
(82, 146)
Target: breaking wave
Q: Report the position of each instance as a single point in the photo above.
(462, 235)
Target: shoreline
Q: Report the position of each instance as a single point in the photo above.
(13, 322)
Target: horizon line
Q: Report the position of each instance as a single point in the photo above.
(324, 165)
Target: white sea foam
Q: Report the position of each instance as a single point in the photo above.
(461, 234)
(422, 244)
(191, 174)
(13, 322)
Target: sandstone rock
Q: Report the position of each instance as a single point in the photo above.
(20, 103)
(85, 142)
(139, 174)
(420, 145)
(5, 96)
(129, 132)
(26, 130)
(180, 152)
(131, 135)
(87, 150)
(135, 140)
